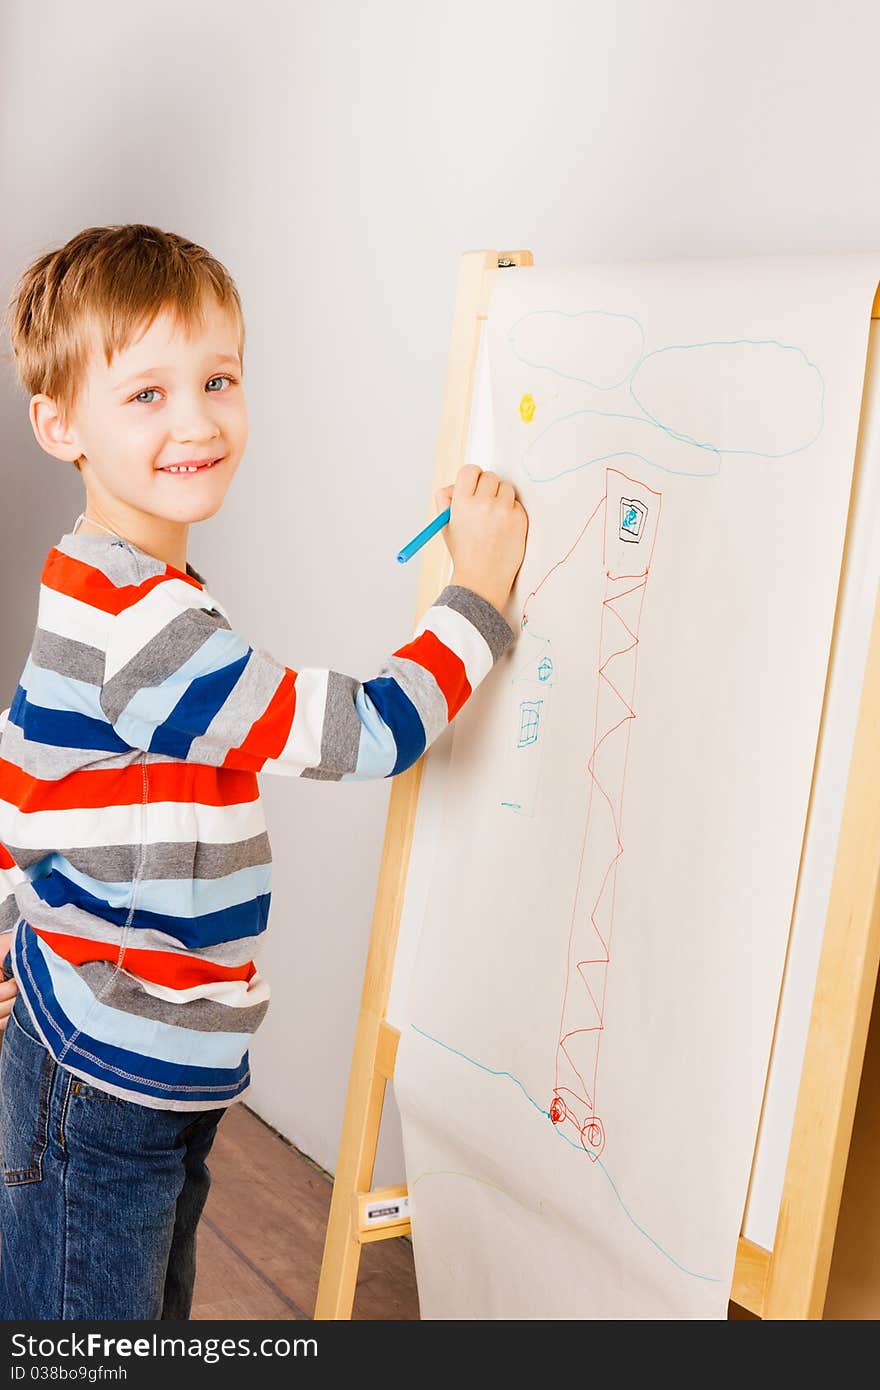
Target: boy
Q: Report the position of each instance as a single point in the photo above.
(136, 865)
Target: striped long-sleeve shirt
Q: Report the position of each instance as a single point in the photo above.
(135, 862)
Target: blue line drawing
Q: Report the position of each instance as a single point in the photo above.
(536, 670)
(529, 714)
(744, 368)
(632, 519)
(492, 1071)
(579, 314)
(736, 342)
(626, 455)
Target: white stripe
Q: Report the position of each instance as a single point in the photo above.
(71, 618)
(138, 624)
(460, 634)
(303, 746)
(9, 878)
(178, 822)
(150, 1037)
(237, 994)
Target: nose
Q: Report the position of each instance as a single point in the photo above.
(194, 420)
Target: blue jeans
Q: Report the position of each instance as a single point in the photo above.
(100, 1196)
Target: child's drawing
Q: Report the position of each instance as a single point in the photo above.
(529, 714)
(630, 522)
(667, 418)
(681, 408)
(636, 794)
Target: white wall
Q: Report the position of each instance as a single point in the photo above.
(338, 157)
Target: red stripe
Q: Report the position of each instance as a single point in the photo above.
(76, 579)
(124, 786)
(174, 969)
(269, 734)
(6, 859)
(445, 666)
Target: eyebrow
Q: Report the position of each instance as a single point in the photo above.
(150, 371)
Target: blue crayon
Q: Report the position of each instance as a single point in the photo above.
(430, 530)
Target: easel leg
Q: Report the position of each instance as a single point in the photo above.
(354, 1173)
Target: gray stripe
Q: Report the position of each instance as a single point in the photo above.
(162, 859)
(202, 1015)
(159, 658)
(249, 698)
(483, 614)
(67, 657)
(48, 762)
(9, 913)
(422, 688)
(115, 561)
(68, 920)
(104, 553)
(341, 733)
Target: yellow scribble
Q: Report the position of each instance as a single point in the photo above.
(527, 408)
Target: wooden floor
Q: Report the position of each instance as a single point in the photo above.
(261, 1237)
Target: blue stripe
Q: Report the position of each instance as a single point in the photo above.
(115, 1065)
(377, 751)
(172, 897)
(401, 716)
(196, 709)
(141, 1036)
(46, 687)
(63, 728)
(241, 920)
(166, 717)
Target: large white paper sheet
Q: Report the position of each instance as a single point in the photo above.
(618, 827)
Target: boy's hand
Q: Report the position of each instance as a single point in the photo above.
(8, 988)
(486, 534)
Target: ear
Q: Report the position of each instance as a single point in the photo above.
(51, 433)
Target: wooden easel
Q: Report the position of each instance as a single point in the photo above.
(789, 1281)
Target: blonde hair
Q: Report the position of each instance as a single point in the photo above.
(116, 279)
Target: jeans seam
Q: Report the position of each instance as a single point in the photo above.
(65, 1233)
(16, 1177)
(62, 1118)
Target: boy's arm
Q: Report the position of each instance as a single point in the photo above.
(179, 681)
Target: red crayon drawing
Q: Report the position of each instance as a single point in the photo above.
(630, 512)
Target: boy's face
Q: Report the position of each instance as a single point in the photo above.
(166, 399)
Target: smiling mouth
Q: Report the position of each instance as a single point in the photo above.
(187, 469)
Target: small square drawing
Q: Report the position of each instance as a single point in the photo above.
(632, 519)
(529, 714)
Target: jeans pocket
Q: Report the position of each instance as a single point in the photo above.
(82, 1088)
(26, 1071)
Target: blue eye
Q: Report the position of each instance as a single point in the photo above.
(151, 390)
